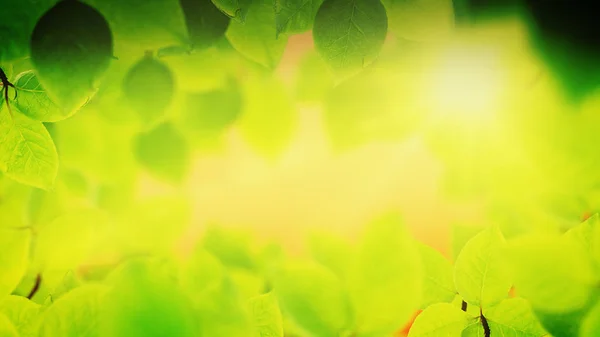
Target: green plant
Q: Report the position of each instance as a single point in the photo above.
(111, 94)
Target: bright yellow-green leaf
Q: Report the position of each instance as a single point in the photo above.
(438, 277)
(23, 313)
(33, 101)
(386, 277)
(257, 38)
(14, 257)
(553, 273)
(27, 153)
(200, 272)
(480, 272)
(266, 316)
(75, 314)
(314, 298)
(232, 248)
(590, 327)
(332, 252)
(6, 327)
(440, 319)
(514, 317)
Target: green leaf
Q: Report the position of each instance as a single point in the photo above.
(590, 326)
(232, 248)
(295, 16)
(200, 272)
(146, 301)
(480, 273)
(553, 273)
(514, 317)
(387, 263)
(27, 153)
(257, 38)
(440, 319)
(164, 152)
(75, 314)
(420, 20)
(332, 252)
(266, 316)
(211, 112)
(236, 9)
(460, 235)
(269, 119)
(314, 298)
(6, 327)
(222, 312)
(438, 277)
(33, 101)
(14, 258)
(205, 22)
(23, 314)
(350, 34)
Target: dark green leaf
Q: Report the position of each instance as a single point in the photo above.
(295, 16)
(236, 9)
(205, 23)
(350, 33)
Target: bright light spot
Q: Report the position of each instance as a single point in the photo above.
(467, 83)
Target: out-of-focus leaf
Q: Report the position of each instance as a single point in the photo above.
(75, 314)
(14, 257)
(230, 247)
(164, 152)
(420, 20)
(6, 327)
(236, 9)
(205, 22)
(23, 314)
(553, 273)
(314, 299)
(387, 263)
(332, 252)
(460, 235)
(481, 275)
(314, 79)
(590, 326)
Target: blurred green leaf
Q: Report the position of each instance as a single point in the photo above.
(75, 314)
(420, 20)
(332, 252)
(164, 152)
(145, 300)
(314, 299)
(6, 327)
(350, 34)
(314, 79)
(440, 319)
(257, 38)
(23, 314)
(266, 316)
(590, 325)
(553, 273)
(386, 277)
(232, 248)
(438, 277)
(14, 257)
(28, 154)
(480, 272)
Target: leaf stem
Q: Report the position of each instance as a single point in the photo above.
(463, 306)
(36, 286)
